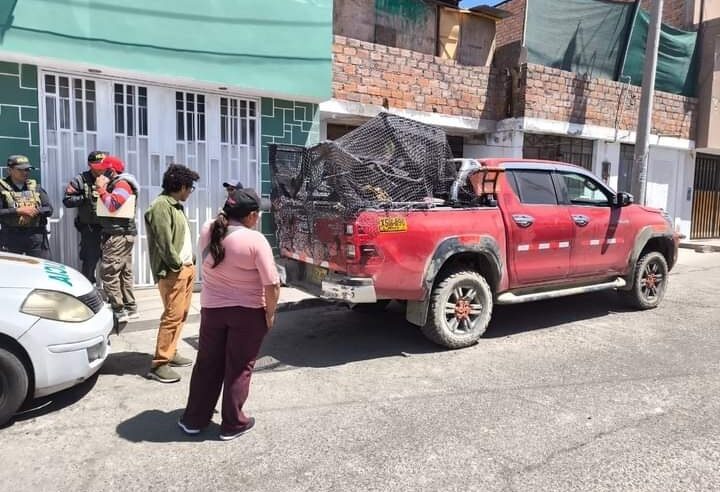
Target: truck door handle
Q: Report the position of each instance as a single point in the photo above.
(581, 220)
(523, 220)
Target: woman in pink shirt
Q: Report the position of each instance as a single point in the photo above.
(240, 291)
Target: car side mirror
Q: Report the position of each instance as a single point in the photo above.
(623, 199)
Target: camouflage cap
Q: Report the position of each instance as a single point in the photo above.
(19, 162)
(96, 156)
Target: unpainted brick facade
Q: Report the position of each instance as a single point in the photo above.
(375, 74)
(548, 93)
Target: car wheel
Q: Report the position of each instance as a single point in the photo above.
(649, 282)
(13, 384)
(460, 310)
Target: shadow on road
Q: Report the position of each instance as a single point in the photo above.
(335, 335)
(127, 363)
(53, 403)
(519, 318)
(161, 427)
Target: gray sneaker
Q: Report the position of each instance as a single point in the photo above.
(180, 361)
(164, 374)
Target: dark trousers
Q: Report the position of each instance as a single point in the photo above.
(90, 250)
(25, 242)
(230, 340)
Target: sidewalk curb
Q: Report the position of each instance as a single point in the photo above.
(152, 324)
(701, 248)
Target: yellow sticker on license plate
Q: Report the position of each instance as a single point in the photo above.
(392, 224)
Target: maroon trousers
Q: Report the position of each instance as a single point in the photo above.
(230, 340)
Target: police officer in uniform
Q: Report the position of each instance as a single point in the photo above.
(81, 193)
(24, 209)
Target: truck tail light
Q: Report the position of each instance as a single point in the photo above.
(349, 229)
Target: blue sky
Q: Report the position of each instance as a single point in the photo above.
(472, 3)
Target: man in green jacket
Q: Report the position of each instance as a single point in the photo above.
(172, 263)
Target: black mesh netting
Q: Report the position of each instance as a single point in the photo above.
(389, 161)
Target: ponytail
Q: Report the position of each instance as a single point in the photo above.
(218, 230)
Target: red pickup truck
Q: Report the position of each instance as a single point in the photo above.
(536, 230)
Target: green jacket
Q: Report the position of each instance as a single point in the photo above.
(166, 223)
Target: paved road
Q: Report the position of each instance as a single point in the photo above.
(572, 394)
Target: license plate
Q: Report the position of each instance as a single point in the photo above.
(392, 224)
(316, 274)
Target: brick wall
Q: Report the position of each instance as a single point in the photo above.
(553, 94)
(509, 34)
(510, 29)
(370, 73)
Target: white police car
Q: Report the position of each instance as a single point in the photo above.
(54, 330)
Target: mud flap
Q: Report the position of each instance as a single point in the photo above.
(417, 311)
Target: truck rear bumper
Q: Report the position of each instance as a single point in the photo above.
(327, 285)
(351, 289)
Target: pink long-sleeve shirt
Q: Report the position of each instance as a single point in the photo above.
(239, 280)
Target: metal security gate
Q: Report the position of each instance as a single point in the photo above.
(706, 198)
(148, 126)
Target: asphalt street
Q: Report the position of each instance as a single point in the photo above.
(571, 394)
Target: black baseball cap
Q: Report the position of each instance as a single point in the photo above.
(97, 156)
(19, 162)
(241, 202)
(237, 186)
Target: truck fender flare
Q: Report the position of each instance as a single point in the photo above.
(483, 245)
(641, 239)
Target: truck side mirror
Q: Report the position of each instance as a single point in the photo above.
(623, 199)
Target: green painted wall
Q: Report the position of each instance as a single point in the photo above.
(286, 122)
(278, 47)
(19, 133)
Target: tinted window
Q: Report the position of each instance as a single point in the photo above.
(582, 190)
(535, 187)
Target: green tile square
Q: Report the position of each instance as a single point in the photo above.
(265, 172)
(307, 126)
(10, 124)
(272, 127)
(265, 153)
(299, 113)
(299, 137)
(266, 106)
(29, 76)
(11, 93)
(34, 134)
(29, 114)
(8, 67)
(265, 187)
(284, 104)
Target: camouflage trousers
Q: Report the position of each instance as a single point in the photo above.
(116, 271)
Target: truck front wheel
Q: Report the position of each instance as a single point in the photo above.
(460, 310)
(649, 282)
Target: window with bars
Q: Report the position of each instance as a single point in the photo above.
(131, 110)
(578, 151)
(70, 104)
(190, 116)
(238, 121)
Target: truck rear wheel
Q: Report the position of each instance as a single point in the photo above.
(649, 282)
(460, 310)
(13, 384)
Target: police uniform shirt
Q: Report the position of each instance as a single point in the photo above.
(7, 211)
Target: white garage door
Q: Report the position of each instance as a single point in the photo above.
(148, 126)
